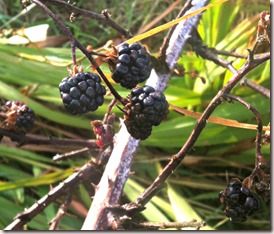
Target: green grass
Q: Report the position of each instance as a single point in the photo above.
(219, 154)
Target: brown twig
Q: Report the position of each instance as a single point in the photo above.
(75, 153)
(212, 55)
(103, 18)
(259, 123)
(229, 53)
(164, 225)
(39, 140)
(258, 88)
(88, 171)
(76, 43)
(176, 160)
(61, 212)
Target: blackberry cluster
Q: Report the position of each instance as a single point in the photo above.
(82, 92)
(146, 108)
(18, 116)
(239, 201)
(133, 65)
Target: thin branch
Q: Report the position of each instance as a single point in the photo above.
(212, 55)
(229, 53)
(258, 88)
(103, 18)
(61, 212)
(164, 225)
(75, 153)
(176, 160)
(259, 123)
(39, 140)
(76, 43)
(88, 171)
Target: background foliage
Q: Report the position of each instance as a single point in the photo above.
(32, 75)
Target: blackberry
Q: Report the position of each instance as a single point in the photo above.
(146, 108)
(18, 116)
(82, 92)
(239, 201)
(132, 66)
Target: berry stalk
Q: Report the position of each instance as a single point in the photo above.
(76, 43)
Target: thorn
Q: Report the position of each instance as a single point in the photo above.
(131, 173)
(111, 182)
(95, 186)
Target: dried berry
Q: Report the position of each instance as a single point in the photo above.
(239, 201)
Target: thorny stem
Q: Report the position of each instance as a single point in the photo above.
(111, 186)
(162, 52)
(176, 160)
(76, 43)
(89, 170)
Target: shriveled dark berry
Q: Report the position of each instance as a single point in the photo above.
(82, 93)
(133, 65)
(239, 201)
(262, 188)
(146, 108)
(18, 116)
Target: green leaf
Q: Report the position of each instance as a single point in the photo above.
(181, 208)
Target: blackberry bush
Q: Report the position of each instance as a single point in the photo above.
(239, 201)
(146, 108)
(133, 65)
(82, 92)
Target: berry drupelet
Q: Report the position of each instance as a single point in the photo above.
(132, 66)
(146, 108)
(239, 201)
(82, 92)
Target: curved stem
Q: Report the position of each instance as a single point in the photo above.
(176, 160)
(76, 43)
(259, 128)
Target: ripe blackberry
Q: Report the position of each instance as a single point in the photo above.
(82, 92)
(239, 201)
(146, 108)
(18, 116)
(132, 66)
